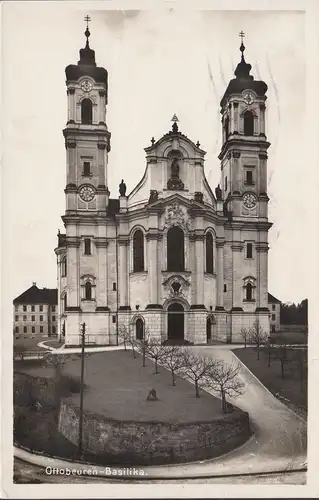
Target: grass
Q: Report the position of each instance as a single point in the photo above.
(289, 387)
(289, 338)
(118, 386)
(28, 343)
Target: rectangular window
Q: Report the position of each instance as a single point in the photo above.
(53, 329)
(16, 309)
(24, 318)
(32, 308)
(273, 317)
(16, 318)
(225, 183)
(225, 287)
(273, 307)
(41, 318)
(41, 308)
(114, 287)
(17, 329)
(114, 319)
(25, 329)
(86, 168)
(249, 251)
(24, 308)
(249, 177)
(33, 318)
(87, 246)
(33, 329)
(53, 309)
(41, 329)
(53, 318)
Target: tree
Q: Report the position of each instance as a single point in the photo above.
(258, 337)
(225, 380)
(173, 360)
(196, 368)
(124, 335)
(157, 352)
(132, 341)
(142, 346)
(282, 353)
(245, 335)
(271, 350)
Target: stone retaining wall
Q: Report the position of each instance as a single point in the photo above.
(154, 442)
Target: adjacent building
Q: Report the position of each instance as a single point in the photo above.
(173, 259)
(35, 312)
(274, 308)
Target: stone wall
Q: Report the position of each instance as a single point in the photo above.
(154, 442)
(28, 388)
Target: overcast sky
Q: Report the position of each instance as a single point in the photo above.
(159, 63)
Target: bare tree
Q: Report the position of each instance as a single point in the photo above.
(156, 351)
(173, 360)
(196, 368)
(133, 343)
(258, 337)
(142, 346)
(124, 335)
(271, 350)
(244, 332)
(224, 379)
(282, 353)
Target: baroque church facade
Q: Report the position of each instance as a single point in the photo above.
(173, 259)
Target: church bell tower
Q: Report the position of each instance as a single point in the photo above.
(87, 139)
(243, 159)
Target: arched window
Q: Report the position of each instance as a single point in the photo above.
(209, 253)
(64, 267)
(175, 249)
(249, 292)
(139, 326)
(248, 123)
(86, 112)
(138, 251)
(226, 127)
(88, 291)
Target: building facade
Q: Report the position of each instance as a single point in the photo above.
(274, 309)
(173, 259)
(35, 311)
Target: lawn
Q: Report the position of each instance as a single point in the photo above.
(117, 386)
(28, 344)
(290, 387)
(289, 338)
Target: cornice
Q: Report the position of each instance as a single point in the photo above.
(73, 241)
(101, 242)
(242, 142)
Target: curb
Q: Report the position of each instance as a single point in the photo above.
(68, 464)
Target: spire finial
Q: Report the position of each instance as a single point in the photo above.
(87, 33)
(175, 126)
(242, 46)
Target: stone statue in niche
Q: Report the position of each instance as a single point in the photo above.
(199, 197)
(175, 182)
(122, 188)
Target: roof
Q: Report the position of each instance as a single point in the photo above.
(273, 299)
(35, 295)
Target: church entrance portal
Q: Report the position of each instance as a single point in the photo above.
(175, 322)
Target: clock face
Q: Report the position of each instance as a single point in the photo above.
(86, 86)
(249, 200)
(248, 97)
(87, 192)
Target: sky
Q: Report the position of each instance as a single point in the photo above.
(159, 63)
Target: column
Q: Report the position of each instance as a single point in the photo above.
(71, 161)
(262, 285)
(262, 108)
(123, 244)
(71, 93)
(101, 282)
(153, 268)
(220, 275)
(199, 268)
(263, 172)
(102, 95)
(73, 278)
(237, 248)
